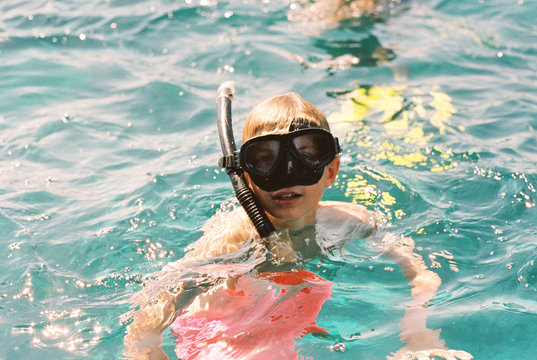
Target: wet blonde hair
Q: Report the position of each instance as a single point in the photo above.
(278, 114)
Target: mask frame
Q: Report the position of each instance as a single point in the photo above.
(291, 166)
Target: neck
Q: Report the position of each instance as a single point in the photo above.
(294, 224)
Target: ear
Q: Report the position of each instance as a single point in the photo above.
(332, 170)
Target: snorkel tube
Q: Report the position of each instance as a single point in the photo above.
(245, 195)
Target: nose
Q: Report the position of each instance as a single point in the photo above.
(289, 167)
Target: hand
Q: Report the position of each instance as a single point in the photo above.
(147, 348)
(447, 354)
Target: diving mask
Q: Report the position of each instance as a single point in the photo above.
(277, 161)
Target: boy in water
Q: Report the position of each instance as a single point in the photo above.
(290, 157)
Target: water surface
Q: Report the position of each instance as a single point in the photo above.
(108, 150)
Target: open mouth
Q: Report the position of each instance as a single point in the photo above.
(286, 196)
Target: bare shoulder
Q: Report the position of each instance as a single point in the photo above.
(223, 233)
(346, 209)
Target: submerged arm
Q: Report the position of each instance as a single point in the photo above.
(144, 334)
(223, 234)
(421, 342)
(424, 284)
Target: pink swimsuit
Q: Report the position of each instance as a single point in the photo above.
(257, 318)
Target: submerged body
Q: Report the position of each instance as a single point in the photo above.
(252, 317)
(250, 310)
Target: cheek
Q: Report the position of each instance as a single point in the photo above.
(316, 191)
(257, 191)
(259, 194)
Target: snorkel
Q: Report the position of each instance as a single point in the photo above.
(245, 195)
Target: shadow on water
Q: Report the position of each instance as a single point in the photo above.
(364, 52)
(345, 33)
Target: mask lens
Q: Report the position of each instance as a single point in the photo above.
(261, 156)
(313, 148)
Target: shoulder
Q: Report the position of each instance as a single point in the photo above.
(347, 210)
(337, 223)
(223, 233)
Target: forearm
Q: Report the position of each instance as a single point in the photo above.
(424, 284)
(143, 346)
(144, 334)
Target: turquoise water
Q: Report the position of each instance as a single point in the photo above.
(108, 150)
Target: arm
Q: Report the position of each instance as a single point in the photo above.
(223, 233)
(144, 334)
(354, 211)
(423, 281)
(158, 304)
(424, 284)
(421, 342)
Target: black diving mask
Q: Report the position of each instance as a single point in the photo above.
(277, 161)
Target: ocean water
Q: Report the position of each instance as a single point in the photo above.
(108, 151)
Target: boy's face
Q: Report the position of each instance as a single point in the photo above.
(295, 207)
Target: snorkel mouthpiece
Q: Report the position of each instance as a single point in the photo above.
(245, 195)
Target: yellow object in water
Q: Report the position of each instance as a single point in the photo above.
(394, 124)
